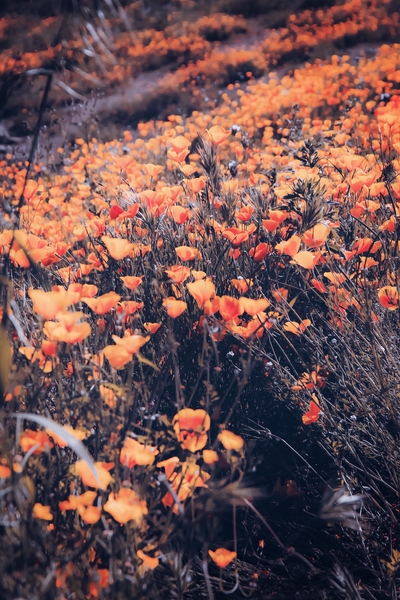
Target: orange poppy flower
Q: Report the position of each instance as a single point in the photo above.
(30, 438)
(290, 246)
(236, 236)
(178, 273)
(42, 512)
(218, 134)
(210, 457)
(133, 453)
(360, 179)
(90, 514)
(186, 253)
(180, 214)
(125, 506)
(260, 251)
(305, 259)
(123, 162)
(297, 328)
(67, 329)
(49, 304)
(316, 236)
(278, 215)
(79, 435)
(128, 307)
(132, 282)
(201, 290)
(148, 561)
(85, 499)
(319, 286)
(131, 343)
(30, 188)
(168, 465)
(195, 185)
(245, 213)
(102, 304)
(366, 245)
(174, 307)
(313, 412)
(179, 144)
(240, 285)
(211, 306)
(335, 278)
(191, 428)
(37, 355)
(177, 157)
(152, 327)
(117, 356)
(4, 471)
(253, 307)
(222, 557)
(87, 477)
(270, 225)
(230, 440)
(188, 170)
(389, 297)
(108, 396)
(118, 248)
(153, 170)
(230, 308)
(115, 211)
(367, 261)
(131, 212)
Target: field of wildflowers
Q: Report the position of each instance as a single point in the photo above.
(199, 355)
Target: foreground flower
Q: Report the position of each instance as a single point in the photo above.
(183, 483)
(102, 304)
(87, 477)
(118, 248)
(186, 253)
(389, 297)
(201, 290)
(79, 435)
(30, 438)
(4, 471)
(68, 329)
(230, 440)
(191, 428)
(83, 504)
(42, 512)
(125, 506)
(132, 282)
(210, 457)
(222, 557)
(174, 307)
(218, 134)
(313, 412)
(133, 453)
(178, 273)
(48, 304)
(117, 356)
(131, 343)
(148, 561)
(297, 328)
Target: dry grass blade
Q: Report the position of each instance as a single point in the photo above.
(75, 445)
(338, 506)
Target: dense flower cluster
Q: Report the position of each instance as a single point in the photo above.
(272, 218)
